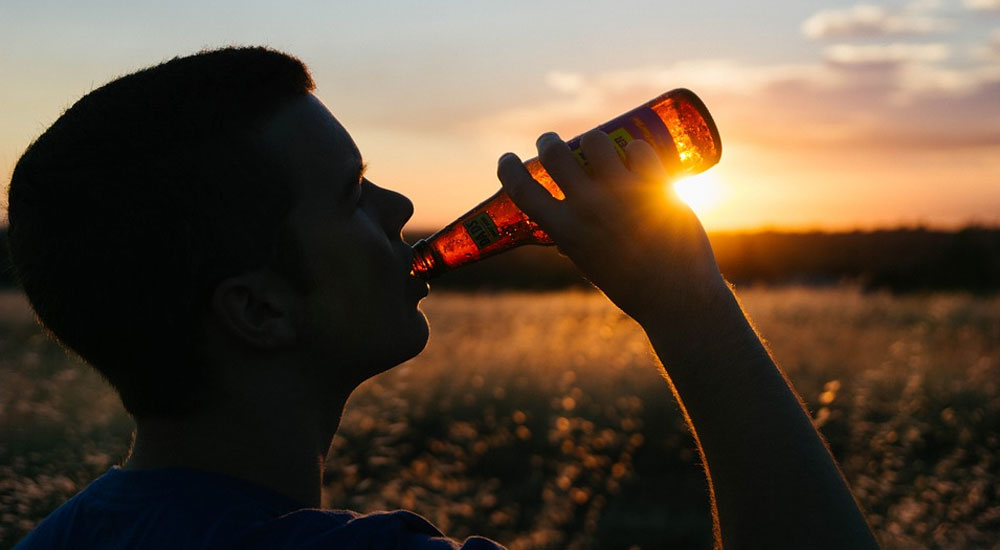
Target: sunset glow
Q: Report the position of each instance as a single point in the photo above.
(702, 192)
(852, 114)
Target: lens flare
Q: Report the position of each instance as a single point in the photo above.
(701, 192)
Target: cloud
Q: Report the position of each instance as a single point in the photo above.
(876, 98)
(581, 96)
(983, 5)
(564, 82)
(988, 51)
(924, 5)
(880, 54)
(862, 20)
(873, 96)
(708, 73)
(918, 81)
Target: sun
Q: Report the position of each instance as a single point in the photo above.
(702, 192)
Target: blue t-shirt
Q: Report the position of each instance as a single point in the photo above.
(174, 508)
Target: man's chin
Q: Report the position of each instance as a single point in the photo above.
(417, 339)
(408, 345)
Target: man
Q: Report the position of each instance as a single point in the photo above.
(202, 232)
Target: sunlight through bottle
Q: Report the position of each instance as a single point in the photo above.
(676, 124)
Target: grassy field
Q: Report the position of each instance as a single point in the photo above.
(539, 420)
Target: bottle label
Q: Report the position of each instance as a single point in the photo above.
(482, 230)
(641, 123)
(619, 136)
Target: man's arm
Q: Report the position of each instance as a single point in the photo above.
(773, 481)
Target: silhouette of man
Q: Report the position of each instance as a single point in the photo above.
(202, 233)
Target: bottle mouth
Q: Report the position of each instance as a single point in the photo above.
(424, 265)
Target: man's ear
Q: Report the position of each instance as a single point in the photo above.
(256, 308)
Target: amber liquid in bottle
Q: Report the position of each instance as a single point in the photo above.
(676, 124)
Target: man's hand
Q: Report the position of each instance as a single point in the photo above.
(773, 481)
(620, 224)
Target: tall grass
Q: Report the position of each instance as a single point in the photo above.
(540, 420)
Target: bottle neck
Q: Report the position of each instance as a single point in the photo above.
(425, 265)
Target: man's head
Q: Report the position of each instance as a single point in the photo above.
(361, 304)
(133, 215)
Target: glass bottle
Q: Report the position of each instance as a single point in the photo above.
(676, 124)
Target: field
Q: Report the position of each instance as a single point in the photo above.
(539, 420)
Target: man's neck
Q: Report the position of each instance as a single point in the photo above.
(283, 451)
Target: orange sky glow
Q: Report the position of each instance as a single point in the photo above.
(833, 115)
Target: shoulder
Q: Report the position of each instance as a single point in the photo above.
(187, 509)
(169, 508)
(403, 530)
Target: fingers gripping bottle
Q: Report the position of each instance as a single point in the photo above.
(676, 124)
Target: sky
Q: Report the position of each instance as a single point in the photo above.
(833, 115)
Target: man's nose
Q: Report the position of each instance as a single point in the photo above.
(395, 210)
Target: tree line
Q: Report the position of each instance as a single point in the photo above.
(898, 260)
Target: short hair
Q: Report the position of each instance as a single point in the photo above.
(142, 197)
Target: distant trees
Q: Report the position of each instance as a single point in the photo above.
(900, 260)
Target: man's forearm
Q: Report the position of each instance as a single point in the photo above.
(775, 483)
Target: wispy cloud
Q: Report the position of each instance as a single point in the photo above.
(874, 97)
(924, 5)
(878, 54)
(983, 5)
(987, 51)
(862, 20)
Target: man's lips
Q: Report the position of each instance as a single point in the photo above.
(420, 286)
